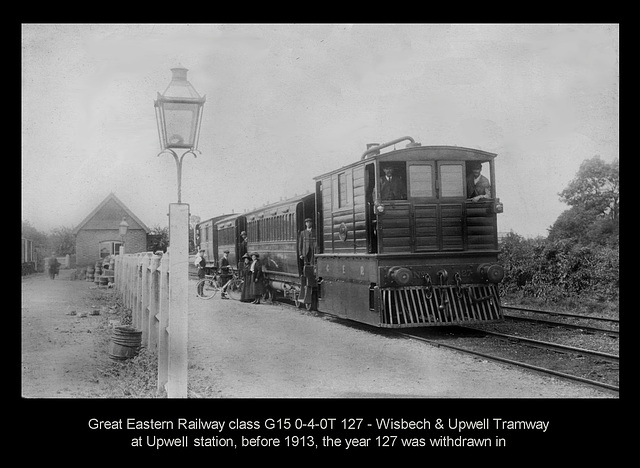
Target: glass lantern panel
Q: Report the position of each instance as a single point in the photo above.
(181, 124)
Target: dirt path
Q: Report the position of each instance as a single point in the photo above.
(241, 350)
(63, 344)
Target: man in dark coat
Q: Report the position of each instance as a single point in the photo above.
(242, 244)
(307, 242)
(391, 186)
(54, 266)
(257, 288)
(225, 273)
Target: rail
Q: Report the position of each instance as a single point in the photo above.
(561, 314)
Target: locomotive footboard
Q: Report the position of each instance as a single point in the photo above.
(438, 305)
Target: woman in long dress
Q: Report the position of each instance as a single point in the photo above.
(245, 274)
(256, 287)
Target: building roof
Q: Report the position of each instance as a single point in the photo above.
(109, 198)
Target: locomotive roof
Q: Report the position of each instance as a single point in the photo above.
(428, 153)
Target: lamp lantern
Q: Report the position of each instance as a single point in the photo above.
(179, 116)
(123, 228)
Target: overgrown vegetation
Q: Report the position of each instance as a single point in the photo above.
(578, 263)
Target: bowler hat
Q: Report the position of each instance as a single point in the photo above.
(225, 251)
(308, 219)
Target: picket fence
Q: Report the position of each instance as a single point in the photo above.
(142, 283)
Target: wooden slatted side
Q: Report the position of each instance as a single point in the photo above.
(481, 228)
(396, 231)
(426, 227)
(451, 222)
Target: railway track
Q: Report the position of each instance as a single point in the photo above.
(545, 370)
(564, 316)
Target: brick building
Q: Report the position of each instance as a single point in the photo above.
(98, 234)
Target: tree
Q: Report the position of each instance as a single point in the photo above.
(29, 232)
(158, 239)
(594, 197)
(62, 241)
(595, 188)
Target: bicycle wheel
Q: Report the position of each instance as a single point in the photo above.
(234, 290)
(209, 289)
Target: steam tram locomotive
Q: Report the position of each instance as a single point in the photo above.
(427, 256)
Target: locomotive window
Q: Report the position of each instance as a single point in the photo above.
(344, 198)
(393, 185)
(421, 181)
(451, 180)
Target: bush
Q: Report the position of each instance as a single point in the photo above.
(555, 270)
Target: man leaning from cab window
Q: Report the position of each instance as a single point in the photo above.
(478, 186)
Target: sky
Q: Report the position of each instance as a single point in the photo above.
(288, 102)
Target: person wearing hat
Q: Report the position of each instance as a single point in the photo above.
(391, 186)
(307, 242)
(478, 186)
(200, 262)
(225, 274)
(244, 272)
(256, 288)
(242, 244)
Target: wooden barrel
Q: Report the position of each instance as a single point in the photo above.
(125, 343)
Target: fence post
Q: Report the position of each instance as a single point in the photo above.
(139, 323)
(154, 296)
(178, 300)
(163, 323)
(145, 285)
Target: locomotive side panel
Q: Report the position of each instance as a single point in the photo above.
(347, 286)
(344, 212)
(359, 210)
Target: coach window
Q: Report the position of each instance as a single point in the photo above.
(451, 181)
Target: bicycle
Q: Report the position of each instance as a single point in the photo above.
(210, 286)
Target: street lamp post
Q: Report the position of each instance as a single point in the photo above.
(178, 114)
(123, 232)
